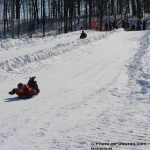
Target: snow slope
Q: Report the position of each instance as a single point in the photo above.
(92, 90)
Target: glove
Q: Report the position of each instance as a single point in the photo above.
(11, 93)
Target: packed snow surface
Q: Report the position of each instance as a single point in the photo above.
(93, 91)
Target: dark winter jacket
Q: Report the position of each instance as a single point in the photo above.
(83, 35)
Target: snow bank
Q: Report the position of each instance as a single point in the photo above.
(58, 49)
(139, 72)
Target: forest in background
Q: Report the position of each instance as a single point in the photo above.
(29, 17)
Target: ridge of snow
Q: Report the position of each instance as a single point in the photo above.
(137, 66)
(20, 61)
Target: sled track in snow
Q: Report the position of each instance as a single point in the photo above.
(59, 49)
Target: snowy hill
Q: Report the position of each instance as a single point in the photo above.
(92, 90)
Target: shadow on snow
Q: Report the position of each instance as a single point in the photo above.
(13, 99)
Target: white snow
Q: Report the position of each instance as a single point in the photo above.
(92, 90)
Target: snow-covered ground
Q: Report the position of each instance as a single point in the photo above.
(92, 90)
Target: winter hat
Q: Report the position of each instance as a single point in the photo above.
(20, 85)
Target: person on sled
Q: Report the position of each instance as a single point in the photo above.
(26, 90)
(83, 35)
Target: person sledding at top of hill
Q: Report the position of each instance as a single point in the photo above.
(83, 35)
(26, 90)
